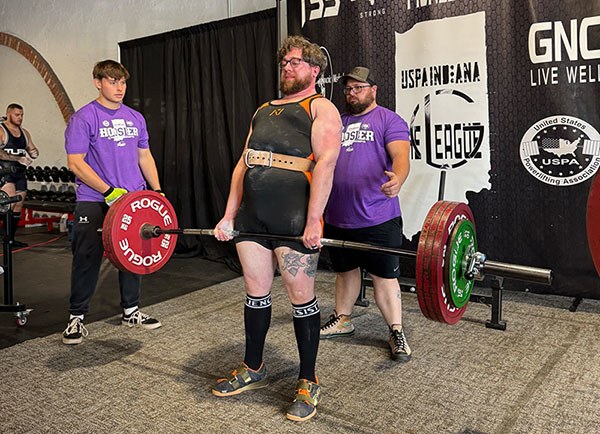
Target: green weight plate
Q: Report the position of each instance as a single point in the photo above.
(462, 243)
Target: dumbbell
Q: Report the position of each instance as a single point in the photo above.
(33, 194)
(55, 174)
(46, 175)
(63, 174)
(38, 173)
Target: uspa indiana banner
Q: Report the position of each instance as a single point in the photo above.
(502, 99)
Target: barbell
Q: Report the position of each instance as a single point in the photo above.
(140, 231)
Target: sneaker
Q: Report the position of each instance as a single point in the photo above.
(243, 378)
(337, 325)
(304, 407)
(75, 332)
(399, 348)
(18, 244)
(137, 318)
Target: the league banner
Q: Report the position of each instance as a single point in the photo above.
(502, 102)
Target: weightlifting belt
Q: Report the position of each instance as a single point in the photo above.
(271, 159)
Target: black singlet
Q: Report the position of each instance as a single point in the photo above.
(275, 201)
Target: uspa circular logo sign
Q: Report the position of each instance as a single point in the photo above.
(561, 150)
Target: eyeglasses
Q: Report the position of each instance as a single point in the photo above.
(355, 89)
(294, 61)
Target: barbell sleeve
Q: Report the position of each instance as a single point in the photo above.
(519, 272)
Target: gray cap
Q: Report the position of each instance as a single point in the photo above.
(359, 73)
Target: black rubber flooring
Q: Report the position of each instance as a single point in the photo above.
(41, 281)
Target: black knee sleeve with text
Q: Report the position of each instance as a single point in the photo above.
(257, 319)
(307, 323)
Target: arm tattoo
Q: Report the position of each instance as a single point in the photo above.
(295, 261)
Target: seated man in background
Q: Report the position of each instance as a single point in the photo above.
(16, 152)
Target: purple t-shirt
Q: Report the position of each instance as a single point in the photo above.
(356, 200)
(110, 139)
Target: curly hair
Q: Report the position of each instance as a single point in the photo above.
(311, 52)
(110, 69)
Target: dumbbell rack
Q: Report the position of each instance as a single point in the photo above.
(51, 193)
(20, 310)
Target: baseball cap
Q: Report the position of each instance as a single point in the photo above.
(359, 73)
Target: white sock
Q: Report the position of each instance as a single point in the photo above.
(130, 310)
(75, 316)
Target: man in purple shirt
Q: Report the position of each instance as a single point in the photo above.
(108, 151)
(363, 207)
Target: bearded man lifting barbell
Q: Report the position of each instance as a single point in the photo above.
(108, 151)
(280, 186)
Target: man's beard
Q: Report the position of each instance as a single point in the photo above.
(359, 107)
(294, 86)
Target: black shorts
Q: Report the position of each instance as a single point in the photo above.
(273, 244)
(387, 234)
(18, 178)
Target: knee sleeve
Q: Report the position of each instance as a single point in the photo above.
(257, 319)
(307, 322)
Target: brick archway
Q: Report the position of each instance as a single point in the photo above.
(45, 70)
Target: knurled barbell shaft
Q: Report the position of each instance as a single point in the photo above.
(519, 272)
(149, 231)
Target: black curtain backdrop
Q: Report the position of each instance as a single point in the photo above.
(198, 88)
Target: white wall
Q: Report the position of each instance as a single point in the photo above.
(72, 35)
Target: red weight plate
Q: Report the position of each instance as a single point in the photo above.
(431, 252)
(108, 247)
(420, 272)
(443, 304)
(423, 269)
(425, 291)
(593, 221)
(121, 232)
(448, 311)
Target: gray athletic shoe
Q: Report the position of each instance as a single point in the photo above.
(243, 378)
(304, 407)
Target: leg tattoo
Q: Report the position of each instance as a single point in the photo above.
(293, 262)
